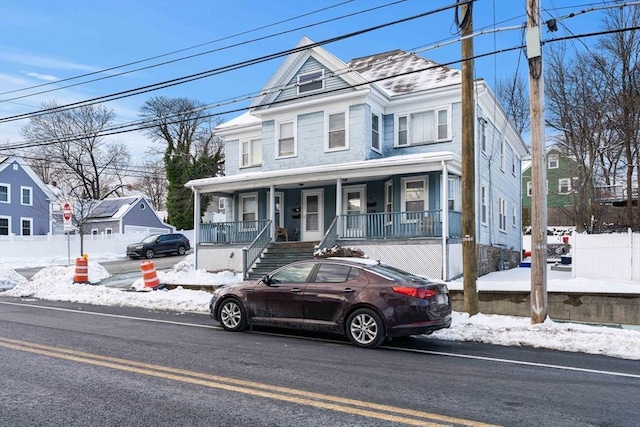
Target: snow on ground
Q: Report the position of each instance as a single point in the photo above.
(56, 283)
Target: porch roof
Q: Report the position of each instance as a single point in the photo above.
(326, 174)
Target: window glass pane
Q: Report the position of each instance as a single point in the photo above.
(442, 125)
(286, 130)
(249, 208)
(26, 227)
(375, 132)
(306, 83)
(4, 226)
(286, 147)
(293, 274)
(414, 196)
(332, 273)
(337, 130)
(286, 141)
(256, 152)
(26, 196)
(4, 193)
(402, 131)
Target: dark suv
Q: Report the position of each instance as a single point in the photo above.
(154, 244)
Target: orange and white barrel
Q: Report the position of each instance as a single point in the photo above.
(149, 274)
(82, 270)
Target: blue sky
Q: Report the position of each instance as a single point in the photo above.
(44, 41)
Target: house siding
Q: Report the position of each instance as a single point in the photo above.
(311, 65)
(38, 211)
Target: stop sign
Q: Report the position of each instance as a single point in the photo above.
(66, 211)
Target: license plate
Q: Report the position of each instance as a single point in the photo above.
(441, 299)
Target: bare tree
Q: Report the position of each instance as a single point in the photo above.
(153, 183)
(192, 150)
(69, 149)
(513, 94)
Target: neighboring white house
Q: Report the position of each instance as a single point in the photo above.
(366, 153)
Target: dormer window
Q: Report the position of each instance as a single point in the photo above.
(553, 161)
(310, 82)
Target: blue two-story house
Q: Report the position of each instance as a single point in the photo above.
(26, 202)
(364, 154)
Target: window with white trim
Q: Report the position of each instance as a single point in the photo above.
(574, 183)
(222, 205)
(5, 193)
(26, 196)
(311, 82)
(250, 153)
(336, 137)
(502, 214)
(423, 127)
(414, 194)
(108, 231)
(529, 188)
(5, 225)
(484, 210)
(286, 140)
(513, 163)
(502, 155)
(375, 133)
(564, 185)
(514, 217)
(26, 226)
(94, 231)
(553, 161)
(249, 207)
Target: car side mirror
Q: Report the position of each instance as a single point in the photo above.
(266, 280)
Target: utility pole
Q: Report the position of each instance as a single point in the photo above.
(538, 168)
(469, 253)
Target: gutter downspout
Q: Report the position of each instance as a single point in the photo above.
(444, 203)
(339, 205)
(196, 226)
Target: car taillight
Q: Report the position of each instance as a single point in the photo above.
(415, 292)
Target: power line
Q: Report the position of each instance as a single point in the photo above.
(187, 57)
(219, 70)
(167, 54)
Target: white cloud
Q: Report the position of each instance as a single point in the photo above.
(42, 61)
(45, 77)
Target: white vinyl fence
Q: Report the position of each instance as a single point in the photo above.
(601, 256)
(58, 248)
(606, 256)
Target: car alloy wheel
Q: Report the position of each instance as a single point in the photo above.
(231, 315)
(365, 328)
(182, 250)
(148, 254)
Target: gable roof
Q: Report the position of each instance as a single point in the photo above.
(404, 66)
(5, 161)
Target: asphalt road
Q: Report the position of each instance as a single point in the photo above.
(121, 267)
(71, 364)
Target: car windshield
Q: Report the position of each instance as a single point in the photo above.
(150, 239)
(395, 273)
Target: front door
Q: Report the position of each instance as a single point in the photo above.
(354, 204)
(312, 215)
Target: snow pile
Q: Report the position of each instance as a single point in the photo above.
(10, 279)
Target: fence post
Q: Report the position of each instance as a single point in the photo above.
(245, 267)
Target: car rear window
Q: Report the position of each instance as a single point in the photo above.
(393, 272)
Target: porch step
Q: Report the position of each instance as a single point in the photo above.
(278, 254)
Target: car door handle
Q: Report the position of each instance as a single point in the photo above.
(348, 291)
(296, 290)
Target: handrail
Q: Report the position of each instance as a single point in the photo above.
(251, 253)
(231, 232)
(330, 237)
(386, 225)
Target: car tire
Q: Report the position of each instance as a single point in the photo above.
(182, 250)
(365, 328)
(232, 316)
(149, 253)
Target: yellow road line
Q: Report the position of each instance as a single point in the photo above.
(357, 407)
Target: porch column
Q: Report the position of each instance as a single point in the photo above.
(444, 217)
(272, 211)
(196, 226)
(338, 204)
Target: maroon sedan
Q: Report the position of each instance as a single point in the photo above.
(363, 299)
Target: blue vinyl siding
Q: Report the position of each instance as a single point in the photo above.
(38, 211)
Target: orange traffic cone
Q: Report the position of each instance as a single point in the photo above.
(82, 270)
(149, 275)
